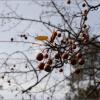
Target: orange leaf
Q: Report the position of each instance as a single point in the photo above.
(41, 38)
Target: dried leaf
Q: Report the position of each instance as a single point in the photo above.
(41, 38)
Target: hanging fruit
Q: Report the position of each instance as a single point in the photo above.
(53, 36)
(47, 68)
(81, 61)
(41, 66)
(45, 56)
(49, 61)
(39, 57)
(65, 55)
(78, 55)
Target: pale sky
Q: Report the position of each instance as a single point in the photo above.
(9, 29)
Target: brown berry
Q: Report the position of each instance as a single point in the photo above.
(81, 61)
(65, 55)
(83, 5)
(39, 57)
(78, 55)
(61, 70)
(55, 33)
(77, 71)
(46, 56)
(57, 56)
(47, 68)
(41, 66)
(52, 38)
(68, 2)
(73, 62)
(49, 61)
(59, 35)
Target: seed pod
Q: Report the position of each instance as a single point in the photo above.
(41, 66)
(39, 57)
(47, 68)
(52, 38)
(81, 61)
(68, 2)
(65, 55)
(49, 61)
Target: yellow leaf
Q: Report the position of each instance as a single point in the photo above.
(41, 38)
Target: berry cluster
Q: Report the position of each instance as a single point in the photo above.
(44, 65)
(65, 50)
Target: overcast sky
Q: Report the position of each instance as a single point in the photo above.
(12, 29)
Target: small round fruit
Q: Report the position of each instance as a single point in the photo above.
(59, 35)
(47, 68)
(41, 66)
(73, 62)
(49, 61)
(57, 56)
(46, 56)
(39, 57)
(78, 55)
(83, 5)
(77, 71)
(61, 70)
(55, 33)
(65, 55)
(25, 37)
(81, 61)
(68, 2)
